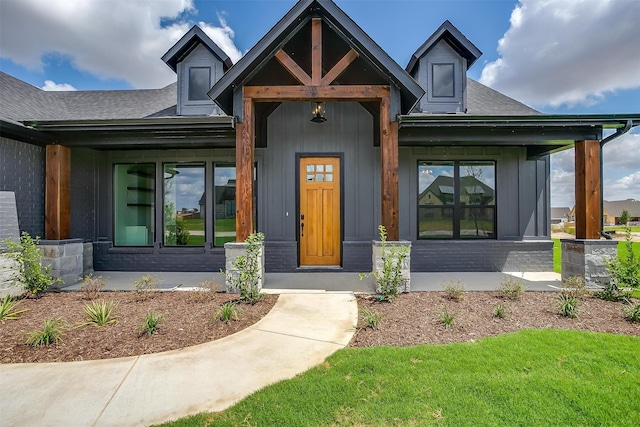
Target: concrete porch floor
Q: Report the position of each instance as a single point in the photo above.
(278, 283)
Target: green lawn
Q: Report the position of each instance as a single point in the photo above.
(557, 253)
(530, 378)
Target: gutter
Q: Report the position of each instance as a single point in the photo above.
(619, 132)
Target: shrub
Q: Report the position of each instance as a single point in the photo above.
(145, 285)
(511, 288)
(390, 277)
(499, 311)
(100, 313)
(576, 286)
(150, 322)
(34, 276)
(9, 309)
(611, 292)
(247, 279)
(91, 286)
(632, 314)
(51, 333)
(625, 270)
(227, 312)
(454, 290)
(447, 318)
(371, 318)
(206, 291)
(568, 304)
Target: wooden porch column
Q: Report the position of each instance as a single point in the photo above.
(244, 172)
(588, 190)
(57, 218)
(389, 163)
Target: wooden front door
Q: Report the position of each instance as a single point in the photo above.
(319, 216)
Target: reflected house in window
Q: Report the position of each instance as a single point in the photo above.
(163, 178)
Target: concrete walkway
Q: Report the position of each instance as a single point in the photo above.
(299, 333)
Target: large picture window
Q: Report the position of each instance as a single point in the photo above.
(184, 201)
(134, 190)
(224, 194)
(456, 200)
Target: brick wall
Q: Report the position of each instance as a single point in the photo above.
(281, 257)
(22, 171)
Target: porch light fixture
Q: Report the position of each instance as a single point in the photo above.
(318, 113)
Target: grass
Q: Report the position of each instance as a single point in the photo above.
(557, 253)
(530, 378)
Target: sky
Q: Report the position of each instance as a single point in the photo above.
(558, 56)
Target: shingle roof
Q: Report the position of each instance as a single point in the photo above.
(615, 208)
(484, 101)
(20, 101)
(188, 42)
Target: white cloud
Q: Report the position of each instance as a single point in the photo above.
(568, 51)
(621, 160)
(50, 85)
(110, 39)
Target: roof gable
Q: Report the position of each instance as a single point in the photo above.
(187, 43)
(288, 27)
(454, 38)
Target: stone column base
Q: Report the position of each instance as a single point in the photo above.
(65, 258)
(585, 258)
(233, 250)
(376, 259)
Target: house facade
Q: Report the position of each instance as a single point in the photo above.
(315, 137)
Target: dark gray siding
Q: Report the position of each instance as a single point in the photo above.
(22, 170)
(84, 190)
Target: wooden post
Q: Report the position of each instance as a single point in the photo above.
(588, 190)
(316, 51)
(57, 219)
(389, 163)
(244, 172)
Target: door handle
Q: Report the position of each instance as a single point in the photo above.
(302, 229)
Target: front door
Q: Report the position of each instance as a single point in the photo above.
(319, 216)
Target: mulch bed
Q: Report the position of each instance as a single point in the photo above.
(187, 322)
(414, 318)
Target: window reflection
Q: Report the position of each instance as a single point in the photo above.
(184, 201)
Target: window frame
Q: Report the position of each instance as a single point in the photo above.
(206, 99)
(457, 205)
(433, 81)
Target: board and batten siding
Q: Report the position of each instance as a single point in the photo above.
(443, 53)
(199, 57)
(348, 131)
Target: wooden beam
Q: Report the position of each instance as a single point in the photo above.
(244, 173)
(316, 51)
(339, 68)
(588, 189)
(389, 163)
(361, 93)
(293, 68)
(57, 219)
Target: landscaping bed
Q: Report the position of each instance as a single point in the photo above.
(187, 321)
(416, 318)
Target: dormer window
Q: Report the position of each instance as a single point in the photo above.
(199, 83)
(442, 81)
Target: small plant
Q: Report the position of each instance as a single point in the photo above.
(51, 333)
(31, 273)
(145, 285)
(389, 278)
(632, 314)
(625, 270)
(91, 286)
(9, 309)
(206, 291)
(499, 311)
(150, 322)
(100, 313)
(511, 288)
(568, 304)
(454, 290)
(371, 318)
(576, 286)
(611, 292)
(247, 278)
(227, 312)
(447, 318)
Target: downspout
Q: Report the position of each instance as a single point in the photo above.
(627, 127)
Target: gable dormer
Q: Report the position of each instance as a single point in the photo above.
(440, 67)
(199, 64)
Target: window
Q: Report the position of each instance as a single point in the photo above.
(442, 81)
(184, 200)
(199, 83)
(134, 190)
(224, 228)
(456, 200)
